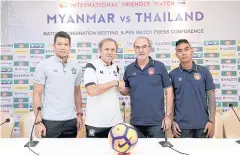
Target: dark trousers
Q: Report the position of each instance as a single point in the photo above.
(193, 133)
(149, 131)
(61, 129)
(96, 132)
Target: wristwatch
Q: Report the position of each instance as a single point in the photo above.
(211, 122)
(38, 122)
(117, 83)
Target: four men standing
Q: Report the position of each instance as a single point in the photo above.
(189, 90)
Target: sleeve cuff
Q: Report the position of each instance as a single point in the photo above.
(167, 86)
(89, 84)
(210, 90)
(38, 82)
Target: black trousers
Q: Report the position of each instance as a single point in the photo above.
(154, 131)
(96, 132)
(193, 133)
(61, 129)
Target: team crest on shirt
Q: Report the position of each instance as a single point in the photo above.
(73, 71)
(197, 76)
(151, 71)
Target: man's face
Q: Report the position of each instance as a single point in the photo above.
(62, 47)
(142, 48)
(108, 51)
(184, 52)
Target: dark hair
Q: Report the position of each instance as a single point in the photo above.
(148, 40)
(105, 40)
(63, 35)
(182, 41)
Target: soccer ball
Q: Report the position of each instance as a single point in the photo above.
(122, 137)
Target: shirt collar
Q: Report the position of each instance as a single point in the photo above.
(104, 63)
(60, 60)
(194, 67)
(150, 63)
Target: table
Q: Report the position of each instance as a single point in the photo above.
(87, 146)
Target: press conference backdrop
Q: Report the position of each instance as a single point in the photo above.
(28, 29)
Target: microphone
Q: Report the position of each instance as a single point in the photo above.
(6, 121)
(124, 117)
(231, 106)
(32, 143)
(165, 143)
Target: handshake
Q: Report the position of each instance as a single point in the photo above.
(120, 84)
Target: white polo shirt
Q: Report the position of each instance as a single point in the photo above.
(59, 80)
(102, 110)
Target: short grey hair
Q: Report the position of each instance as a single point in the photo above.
(149, 41)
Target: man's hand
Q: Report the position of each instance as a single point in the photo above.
(209, 128)
(168, 123)
(121, 85)
(40, 130)
(79, 122)
(176, 130)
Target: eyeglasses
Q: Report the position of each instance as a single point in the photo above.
(138, 48)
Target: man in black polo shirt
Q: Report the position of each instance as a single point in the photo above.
(194, 91)
(146, 80)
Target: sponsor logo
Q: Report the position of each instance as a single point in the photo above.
(129, 56)
(228, 54)
(6, 87)
(229, 85)
(84, 56)
(6, 81)
(25, 51)
(229, 98)
(6, 69)
(4, 46)
(228, 67)
(228, 48)
(163, 55)
(5, 75)
(6, 57)
(6, 105)
(229, 79)
(229, 73)
(21, 94)
(18, 75)
(211, 42)
(211, 49)
(227, 42)
(21, 45)
(6, 63)
(228, 61)
(21, 69)
(21, 111)
(21, 87)
(36, 45)
(215, 73)
(84, 44)
(49, 51)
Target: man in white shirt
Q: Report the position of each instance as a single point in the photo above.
(57, 90)
(103, 83)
